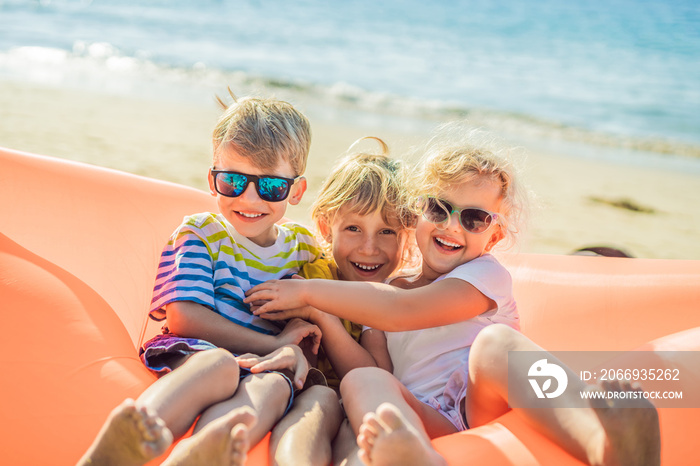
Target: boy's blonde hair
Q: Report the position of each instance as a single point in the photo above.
(366, 183)
(457, 154)
(263, 130)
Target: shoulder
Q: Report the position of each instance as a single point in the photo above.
(205, 227)
(205, 222)
(294, 230)
(486, 266)
(295, 236)
(487, 275)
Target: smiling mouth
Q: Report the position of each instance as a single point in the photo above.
(366, 267)
(248, 215)
(447, 245)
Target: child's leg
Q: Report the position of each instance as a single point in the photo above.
(223, 441)
(387, 438)
(345, 445)
(359, 400)
(414, 420)
(203, 379)
(305, 434)
(131, 436)
(267, 394)
(588, 433)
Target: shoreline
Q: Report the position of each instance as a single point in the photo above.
(584, 200)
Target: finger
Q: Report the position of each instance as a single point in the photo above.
(317, 342)
(258, 295)
(251, 296)
(271, 315)
(258, 310)
(276, 363)
(298, 277)
(267, 307)
(256, 305)
(255, 289)
(248, 363)
(302, 368)
(314, 334)
(260, 287)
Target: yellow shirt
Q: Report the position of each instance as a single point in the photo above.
(327, 269)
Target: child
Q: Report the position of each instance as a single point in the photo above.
(362, 217)
(260, 152)
(431, 319)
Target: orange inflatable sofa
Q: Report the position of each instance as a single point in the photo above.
(79, 246)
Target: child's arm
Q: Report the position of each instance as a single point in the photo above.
(376, 305)
(189, 319)
(374, 342)
(342, 351)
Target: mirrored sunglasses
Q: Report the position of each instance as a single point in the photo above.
(269, 188)
(472, 219)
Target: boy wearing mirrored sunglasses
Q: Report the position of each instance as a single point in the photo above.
(260, 152)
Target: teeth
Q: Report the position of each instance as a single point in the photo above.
(448, 243)
(366, 267)
(250, 215)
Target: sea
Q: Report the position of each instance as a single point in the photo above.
(622, 76)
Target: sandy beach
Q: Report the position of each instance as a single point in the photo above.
(645, 208)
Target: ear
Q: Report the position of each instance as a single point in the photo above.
(210, 177)
(324, 229)
(298, 191)
(496, 236)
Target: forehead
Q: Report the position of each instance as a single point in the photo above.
(229, 159)
(477, 192)
(350, 213)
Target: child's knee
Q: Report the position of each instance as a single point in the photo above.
(219, 361)
(277, 386)
(493, 341)
(318, 405)
(357, 380)
(319, 396)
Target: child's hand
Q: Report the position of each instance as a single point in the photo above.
(287, 357)
(298, 330)
(306, 313)
(279, 294)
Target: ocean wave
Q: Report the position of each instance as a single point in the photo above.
(100, 66)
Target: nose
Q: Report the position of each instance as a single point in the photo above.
(369, 245)
(250, 193)
(452, 222)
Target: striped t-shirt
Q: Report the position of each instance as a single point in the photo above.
(208, 262)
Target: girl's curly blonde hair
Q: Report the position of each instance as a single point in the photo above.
(457, 154)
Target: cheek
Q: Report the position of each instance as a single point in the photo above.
(222, 202)
(340, 247)
(392, 249)
(423, 230)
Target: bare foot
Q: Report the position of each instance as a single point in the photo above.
(131, 435)
(386, 438)
(631, 427)
(223, 441)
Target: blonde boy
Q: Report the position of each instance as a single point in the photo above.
(260, 152)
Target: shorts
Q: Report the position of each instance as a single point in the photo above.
(453, 397)
(154, 354)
